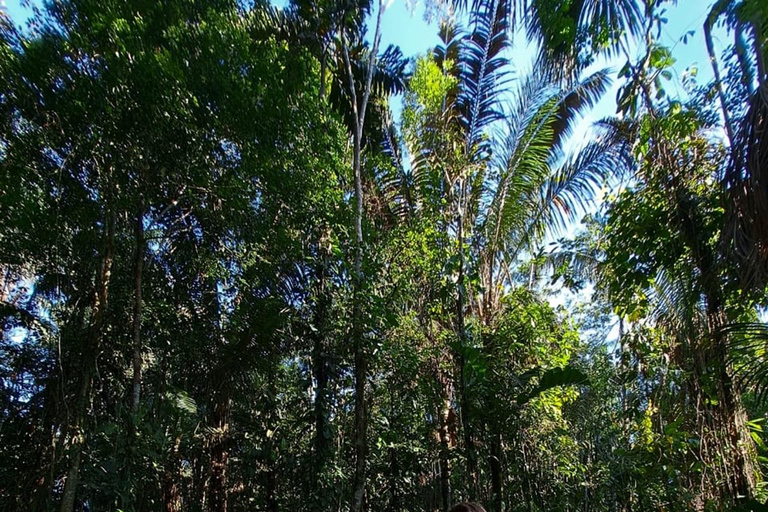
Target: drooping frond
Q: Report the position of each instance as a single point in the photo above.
(523, 162)
(576, 99)
(576, 261)
(678, 307)
(748, 344)
(450, 35)
(388, 78)
(529, 196)
(267, 21)
(616, 17)
(746, 231)
(574, 184)
(394, 187)
(563, 27)
(483, 69)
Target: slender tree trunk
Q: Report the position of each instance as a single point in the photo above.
(494, 461)
(271, 501)
(445, 440)
(361, 360)
(219, 454)
(138, 268)
(320, 360)
(270, 489)
(716, 11)
(171, 484)
(394, 493)
(463, 377)
(323, 67)
(5, 289)
(90, 355)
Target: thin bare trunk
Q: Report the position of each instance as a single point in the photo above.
(219, 454)
(360, 360)
(320, 365)
(494, 461)
(138, 268)
(90, 355)
(323, 67)
(171, 484)
(445, 440)
(717, 9)
(466, 422)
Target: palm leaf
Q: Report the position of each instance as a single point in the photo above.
(748, 354)
(482, 67)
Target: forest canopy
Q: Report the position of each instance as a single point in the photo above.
(252, 258)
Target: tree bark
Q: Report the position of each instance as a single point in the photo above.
(466, 423)
(138, 268)
(445, 440)
(90, 355)
(320, 360)
(171, 484)
(494, 461)
(728, 421)
(360, 359)
(219, 455)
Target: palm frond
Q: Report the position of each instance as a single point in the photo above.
(388, 78)
(576, 261)
(483, 69)
(562, 31)
(617, 17)
(570, 191)
(678, 307)
(746, 230)
(529, 196)
(748, 356)
(393, 185)
(580, 96)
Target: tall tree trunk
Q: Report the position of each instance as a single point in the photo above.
(320, 363)
(466, 422)
(714, 14)
(90, 355)
(219, 454)
(445, 439)
(738, 444)
(270, 489)
(494, 461)
(171, 483)
(138, 268)
(361, 360)
(731, 436)
(323, 68)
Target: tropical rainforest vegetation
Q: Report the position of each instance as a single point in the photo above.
(234, 278)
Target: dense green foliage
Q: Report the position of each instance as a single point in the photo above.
(231, 280)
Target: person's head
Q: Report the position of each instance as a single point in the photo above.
(467, 507)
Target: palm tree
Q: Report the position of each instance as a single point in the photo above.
(746, 234)
(493, 175)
